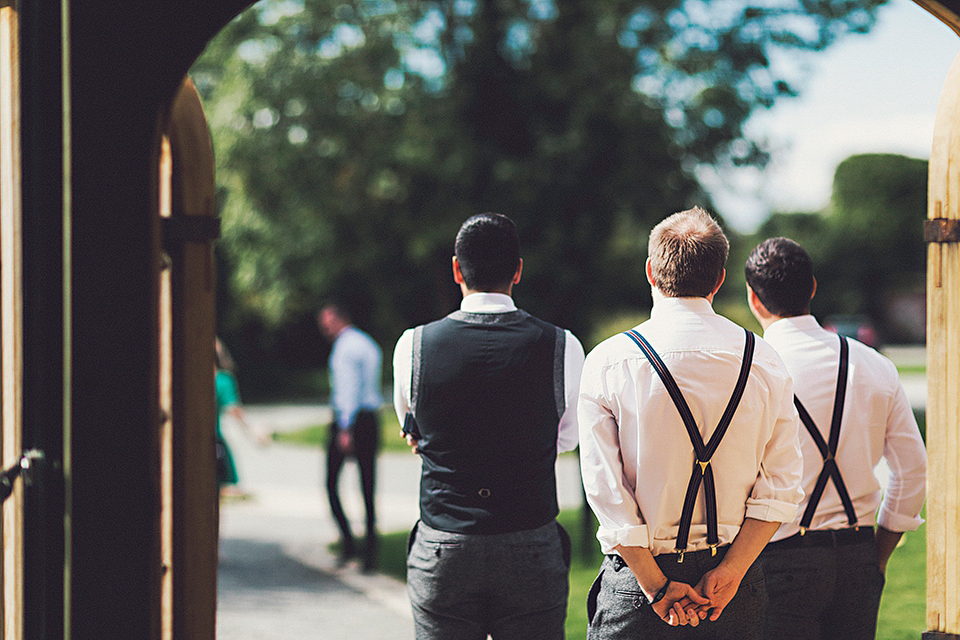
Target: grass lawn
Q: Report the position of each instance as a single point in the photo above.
(903, 607)
(902, 611)
(316, 435)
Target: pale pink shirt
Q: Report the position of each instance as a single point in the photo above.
(636, 456)
(877, 423)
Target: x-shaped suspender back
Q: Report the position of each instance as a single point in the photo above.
(829, 450)
(702, 470)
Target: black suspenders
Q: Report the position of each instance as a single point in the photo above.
(702, 471)
(829, 450)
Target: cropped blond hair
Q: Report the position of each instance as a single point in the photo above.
(687, 252)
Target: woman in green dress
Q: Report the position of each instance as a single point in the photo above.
(228, 401)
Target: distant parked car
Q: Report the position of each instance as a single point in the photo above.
(854, 326)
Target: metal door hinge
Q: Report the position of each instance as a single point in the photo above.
(941, 230)
(25, 467)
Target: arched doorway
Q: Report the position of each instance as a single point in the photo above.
(85, 346)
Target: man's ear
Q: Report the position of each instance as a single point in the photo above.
(759, 310)
(723, 276)
(648, 269)
(457, 273)
(516, 276)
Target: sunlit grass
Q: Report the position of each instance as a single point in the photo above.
(317, 435)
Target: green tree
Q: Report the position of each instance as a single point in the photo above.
(353, 138)
(875, 248)
(867, 245)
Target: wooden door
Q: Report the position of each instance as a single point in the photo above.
(187, 319)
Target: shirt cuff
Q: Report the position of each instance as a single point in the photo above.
(771, 510)
(898, 523)
(629, 536)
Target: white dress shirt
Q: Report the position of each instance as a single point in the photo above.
(636, 456)
(355, 366)
(495, 303)
(877, 422)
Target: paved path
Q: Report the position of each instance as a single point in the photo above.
(277, 579)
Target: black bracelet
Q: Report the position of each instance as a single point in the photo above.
(663, 591)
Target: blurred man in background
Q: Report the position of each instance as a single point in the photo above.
(355, 368)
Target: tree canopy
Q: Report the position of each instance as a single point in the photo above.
(867, 246)
(353, 138)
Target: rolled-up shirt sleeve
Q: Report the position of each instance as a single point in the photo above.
(906, 457)
(778, 490)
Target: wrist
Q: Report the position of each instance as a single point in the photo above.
(654, 597)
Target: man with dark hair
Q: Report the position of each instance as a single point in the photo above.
(487, 396)
(355, 367)
(689, 453)
(825, 570)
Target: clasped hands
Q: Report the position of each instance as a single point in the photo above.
(684, 604)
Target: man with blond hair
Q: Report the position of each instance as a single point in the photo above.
(689, 452)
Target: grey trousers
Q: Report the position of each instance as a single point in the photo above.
(617, 608)
(823, 592)
(510, 586)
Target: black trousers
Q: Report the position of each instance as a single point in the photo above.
(366, 435)
(823, 591)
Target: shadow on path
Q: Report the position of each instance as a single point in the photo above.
(265, 594)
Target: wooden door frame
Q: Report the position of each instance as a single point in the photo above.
(11, 301)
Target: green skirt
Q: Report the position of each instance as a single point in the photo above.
(226, 469)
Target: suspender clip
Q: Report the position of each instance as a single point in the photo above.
(803, 531)
(703, 466)
(713, 550)
(680, 559)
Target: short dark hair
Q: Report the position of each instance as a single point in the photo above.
(780, 272)
(488, 250)
(687, 252)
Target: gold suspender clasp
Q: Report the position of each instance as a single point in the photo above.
(703, 466)
(803, 531)
(680, 559)
(713, 550)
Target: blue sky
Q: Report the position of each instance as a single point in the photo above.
(873, 93)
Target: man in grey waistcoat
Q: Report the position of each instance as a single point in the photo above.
(487, 396)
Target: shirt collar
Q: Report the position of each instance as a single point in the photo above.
(795, 323)
(696, 305)
(487, 303)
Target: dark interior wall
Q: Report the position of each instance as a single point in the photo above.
(126, 61)
(42, 269)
